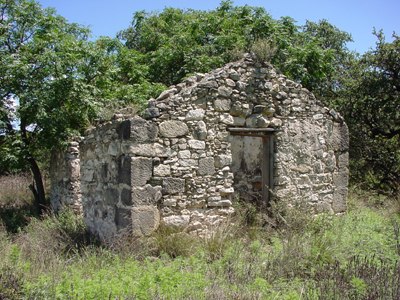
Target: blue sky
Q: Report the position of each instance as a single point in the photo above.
(357, 17)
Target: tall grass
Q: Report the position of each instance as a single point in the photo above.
(14, 190)
(16, 207)
(353, 256)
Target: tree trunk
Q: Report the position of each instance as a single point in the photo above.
(38, 187)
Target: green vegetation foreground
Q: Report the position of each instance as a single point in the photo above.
(353, 256)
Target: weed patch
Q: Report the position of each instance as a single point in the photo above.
(352, 256)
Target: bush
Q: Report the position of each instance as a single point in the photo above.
(170, 241)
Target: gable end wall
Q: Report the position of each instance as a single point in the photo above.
(180, 166)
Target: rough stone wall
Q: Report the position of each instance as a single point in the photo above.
(116, 171)
(312, 162)
(65, 179)
(137, 173)
(180, 167)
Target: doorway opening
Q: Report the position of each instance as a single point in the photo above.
(253, 163)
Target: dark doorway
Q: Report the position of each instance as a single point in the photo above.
(265, 159)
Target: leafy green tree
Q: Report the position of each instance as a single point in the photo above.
(176, 43)
(48, 77)
(124, 78)
(370, 102)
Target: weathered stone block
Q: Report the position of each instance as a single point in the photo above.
(208, 84)
(224, 91)
(220, 203)
(162, 170)
(226, 191)
(226, 119)
(222, 104)
(195, 115)
(223, 160)
(126, 197)
(259, 109)
(173, 185)
(276, 123)
(234, 75)
(341, 179)
(184, 154)
(123, 218)
(146, 195)
(124, 169)
(343, 160)
(138, 130)
(141, 170)
(200, 133)
(177, 221)
(339, 199)
(239, 121)
(151, 112)
(167, 93)
(173, 129)
(111, 196)
(301, 168)
(150, 150)
(339, 140)
(230, 82)
(240, 110)
(134, 171)
(145, 220)
(206, 166)
(188, 162)
(257, 121)
(113, 149)
(196, 144)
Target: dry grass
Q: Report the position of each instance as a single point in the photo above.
(14, 190)
(16, 205)
(352, 256)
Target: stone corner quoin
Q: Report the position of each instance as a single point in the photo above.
(180, 165)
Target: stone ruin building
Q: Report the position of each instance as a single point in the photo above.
(242, 131)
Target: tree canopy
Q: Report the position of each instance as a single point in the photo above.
(370, 103)
(176, 43)
(48, 74)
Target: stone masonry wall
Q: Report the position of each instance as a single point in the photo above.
(179, 166)
(65, 179)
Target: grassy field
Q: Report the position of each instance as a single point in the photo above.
(352, 256)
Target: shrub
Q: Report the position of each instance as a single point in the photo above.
(172, 242)
(263, 50)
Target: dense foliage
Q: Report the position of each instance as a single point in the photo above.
(370, 103)
(176, 43)
(53, 83)
(45, 70)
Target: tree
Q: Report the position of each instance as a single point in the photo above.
(124, 78)
(176, 43)
(48, 75)
(370, 102)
